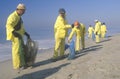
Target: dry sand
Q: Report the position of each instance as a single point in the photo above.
(97, 61)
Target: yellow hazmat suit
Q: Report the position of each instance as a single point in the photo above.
(17, 50)
(103, 30)
(76, 30)
(83, 32)
(97, 31)
(60, 30)
(90, 31)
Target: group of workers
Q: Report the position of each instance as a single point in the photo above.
(61, 28)
(99, 31)
(15, 32)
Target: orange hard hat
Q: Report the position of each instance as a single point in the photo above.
(76, 23)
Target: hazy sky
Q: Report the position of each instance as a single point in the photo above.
(41, 14)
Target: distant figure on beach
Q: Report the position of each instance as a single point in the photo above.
(97, 31)
(90, 32)
(15, 32)
(77, 32)
(103, 30)
(60, 32)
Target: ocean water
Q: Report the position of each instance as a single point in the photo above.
(44, 37)
(6, 48)
(5, 51)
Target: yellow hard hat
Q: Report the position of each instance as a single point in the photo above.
(21, 6)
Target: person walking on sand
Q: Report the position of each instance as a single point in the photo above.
(103, 30)
(90, 32)
(97, 31)
(60, 31)
(15, 32)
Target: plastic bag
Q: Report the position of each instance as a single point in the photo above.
(30, 51)
(72, 50)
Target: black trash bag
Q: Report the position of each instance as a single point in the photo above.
(31, 49)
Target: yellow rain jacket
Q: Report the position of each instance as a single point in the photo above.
(103, 30)
(60, 31)
(90, 31)
(98, 27)
(61, 27)
(17, 49)
(77, 33)
(11, 22)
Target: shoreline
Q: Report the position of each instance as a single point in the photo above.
(40, 50)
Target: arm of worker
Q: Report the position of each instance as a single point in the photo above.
(16, 34)
(11, 22)
(68, 26)
(106, 28)
(93, 29)
(71, 35)
(28, 36)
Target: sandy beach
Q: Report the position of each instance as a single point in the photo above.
(97, 61)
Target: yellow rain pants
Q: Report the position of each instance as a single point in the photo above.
(17, 53)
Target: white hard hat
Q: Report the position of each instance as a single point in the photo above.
(96, 20)
(21, 6)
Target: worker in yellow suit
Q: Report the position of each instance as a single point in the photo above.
(90, 32)
(83, 32)
(15, 32)
(76, 31)
(60, 31)
(97, 31)
(103, 30)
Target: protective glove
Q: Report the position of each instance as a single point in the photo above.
(72, 25)
(16, 34)
(96, 33)
(28, 36)
(69, 40)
